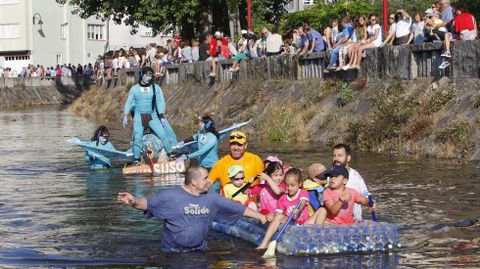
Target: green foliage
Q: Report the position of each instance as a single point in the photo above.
(192, 16)
(346, 94)
(440, 99)
(319, 15)
(280, 125)
(456, 132)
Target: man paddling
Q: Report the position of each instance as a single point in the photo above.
(341, 156)
(188, 211)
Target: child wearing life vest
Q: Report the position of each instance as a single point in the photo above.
(237, 176)
(101, 140)
(270, 189)
(287, 203)
(338, 200)
(315, 184)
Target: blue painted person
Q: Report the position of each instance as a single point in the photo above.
(147, 104)
(101, 140)
(207, 141)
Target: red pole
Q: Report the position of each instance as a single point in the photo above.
(249, 14)
(385, 17)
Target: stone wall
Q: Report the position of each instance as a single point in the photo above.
(17, 92)
(404, 62)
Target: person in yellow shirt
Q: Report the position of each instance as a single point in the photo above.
(236, 175)
(251, 163)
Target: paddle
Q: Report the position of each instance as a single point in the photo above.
(370, 202)
(150, 157)
(242, 189)
(270, 252)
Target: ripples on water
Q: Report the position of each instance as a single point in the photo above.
(55, 212)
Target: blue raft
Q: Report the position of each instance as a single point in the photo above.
(365, 236)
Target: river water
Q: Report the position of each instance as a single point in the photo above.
(55, 212)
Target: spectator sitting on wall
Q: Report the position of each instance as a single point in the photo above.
(465, 28)
(195, 50)
(403, 27)
(331, 32)
(273, 43)
(391, 30)
(303, 43)
(417, 29)
(203, 49)
(253, 44)
(343, 38)
(186, 52)
(434, 31)
(243, 53)
(315, 39)
(374, 40)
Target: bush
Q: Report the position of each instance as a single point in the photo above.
(280, 125)
(440, 99)
(346, 94)
(455, 132)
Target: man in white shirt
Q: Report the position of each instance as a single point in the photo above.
(341, 157)
(274, 43)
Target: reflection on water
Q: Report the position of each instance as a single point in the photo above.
(54, 211)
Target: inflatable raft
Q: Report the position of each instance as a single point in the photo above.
(159, 168)
(365, 236)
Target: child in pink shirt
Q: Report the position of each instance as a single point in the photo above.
(271, 190)
(338, 200)
(287, 203)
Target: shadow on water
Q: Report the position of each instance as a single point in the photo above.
(55, 212)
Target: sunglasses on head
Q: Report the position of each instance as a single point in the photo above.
(237, 137)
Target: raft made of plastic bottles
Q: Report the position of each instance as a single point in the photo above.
(365, 236)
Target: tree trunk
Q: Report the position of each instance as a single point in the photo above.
(206, 18)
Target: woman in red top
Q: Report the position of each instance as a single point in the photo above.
(465, 28)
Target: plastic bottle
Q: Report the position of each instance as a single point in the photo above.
(342, 247)
(331, 245)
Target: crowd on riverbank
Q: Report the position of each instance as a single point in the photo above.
(346, 37)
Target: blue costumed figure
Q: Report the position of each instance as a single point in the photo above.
(146, 101)
(101, 140)
(207, 141)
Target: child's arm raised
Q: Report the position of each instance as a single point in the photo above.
(275, 188)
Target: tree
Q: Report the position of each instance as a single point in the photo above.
(190, 17)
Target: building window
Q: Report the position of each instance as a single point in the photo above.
(63, 31)
(17, 58)
(95, 31)
(9, 2)
(9, 30)
(309, 2)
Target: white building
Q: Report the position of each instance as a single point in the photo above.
(299, 5)
(47, 33)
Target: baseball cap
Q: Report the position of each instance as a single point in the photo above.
(217, 34)
(243, 32)
(234, 170)
(238, 137)
(335, 171)
(429, 11)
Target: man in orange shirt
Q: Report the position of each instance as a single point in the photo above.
(251, 163)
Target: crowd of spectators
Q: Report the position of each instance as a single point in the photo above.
(346, 38)
(49, 72)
